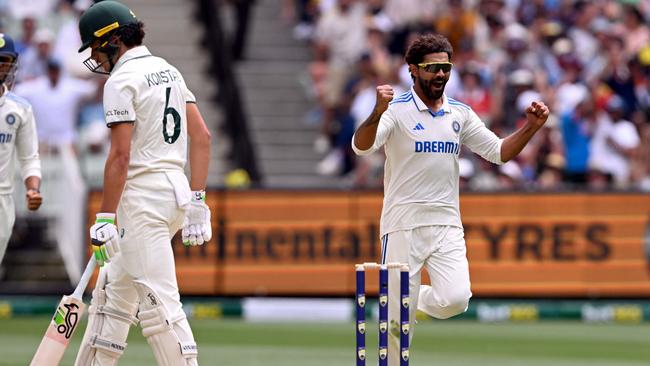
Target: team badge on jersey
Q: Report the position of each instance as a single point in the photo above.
(456, 126)
(11, 119)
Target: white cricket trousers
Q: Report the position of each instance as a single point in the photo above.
(439, 249)
(148, 216)
(7, 219)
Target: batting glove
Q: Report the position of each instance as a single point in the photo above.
(104, 238)
(197, 228)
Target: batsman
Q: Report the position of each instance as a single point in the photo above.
(422, 132)
(147, 198)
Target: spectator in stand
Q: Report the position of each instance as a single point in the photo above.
(576, 49)
(584, 42)
(618, 75)
(510, 176)
(339, 42)
(474, 92)
(517, 57)
(33, 62)
(28, 25)
(621, 140)
(577, 128)
(56, 100)
(68, 41)
(571, 89)
(637, 33)
(458, 24)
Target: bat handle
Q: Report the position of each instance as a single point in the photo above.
(85, 278)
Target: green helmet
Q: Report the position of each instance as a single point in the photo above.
(102, 18)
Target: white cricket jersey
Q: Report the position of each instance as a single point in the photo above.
(151, 93)
(422, 149)
(17, 139)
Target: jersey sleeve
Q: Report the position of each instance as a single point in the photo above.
(119, 95)
(384, 130)
(187, 93)
(481, 139)
(189, 96)
(27, 147)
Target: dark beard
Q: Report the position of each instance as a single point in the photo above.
(426, 89)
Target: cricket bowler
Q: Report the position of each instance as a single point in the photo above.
(422, 132)
(152, 117)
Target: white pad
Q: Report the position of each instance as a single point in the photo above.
(166, 343)
(104, 340)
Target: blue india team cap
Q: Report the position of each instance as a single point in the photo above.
(7, 45)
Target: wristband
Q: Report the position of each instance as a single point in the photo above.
(198, 195)
(105, 217)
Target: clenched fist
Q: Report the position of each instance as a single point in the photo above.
(34, 199)
(384, 96)
(537, 114)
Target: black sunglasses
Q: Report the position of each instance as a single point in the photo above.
(434, 67)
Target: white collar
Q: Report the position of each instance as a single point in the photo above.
(133, 53)
(423, 107)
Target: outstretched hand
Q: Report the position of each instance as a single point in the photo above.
(537, 114)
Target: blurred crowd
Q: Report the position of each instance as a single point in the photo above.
(65, 96)
(588, 60)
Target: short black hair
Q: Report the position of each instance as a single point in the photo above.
(426, 44)
(131, 34)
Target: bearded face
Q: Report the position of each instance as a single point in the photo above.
(432, 74)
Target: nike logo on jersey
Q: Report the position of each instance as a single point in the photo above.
(442, 147)
(418, 127)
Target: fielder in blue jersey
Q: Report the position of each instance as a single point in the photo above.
(421, 132)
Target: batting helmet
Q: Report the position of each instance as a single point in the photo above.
(98, 22)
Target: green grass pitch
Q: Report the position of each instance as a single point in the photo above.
(448, 343)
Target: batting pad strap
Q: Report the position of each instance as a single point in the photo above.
(154, 321)
(107, 345)
(116, 314)
(189, 349)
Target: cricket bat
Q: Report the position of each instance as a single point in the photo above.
(64, 323)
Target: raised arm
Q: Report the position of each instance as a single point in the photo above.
(365, 135)
(536, 115)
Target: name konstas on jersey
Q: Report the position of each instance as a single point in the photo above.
(161, 77)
